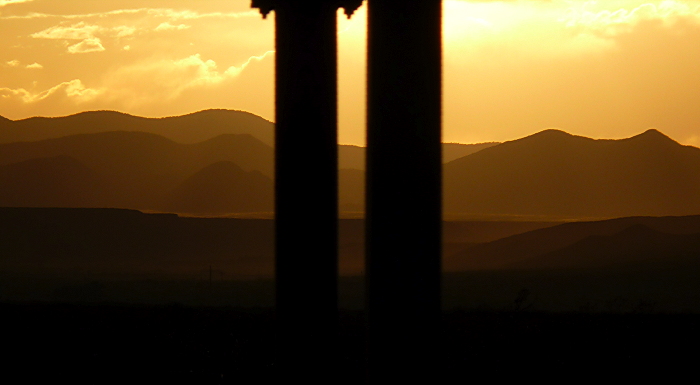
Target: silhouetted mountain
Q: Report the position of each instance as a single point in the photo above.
(353, 157)
(58, 241)
(351, 161)
(142, 167)
(452, 151)
(586, 244)
(351, 190)
(636, 245)
(556, 174)
(222, 188)
(550, 174)
(191, 128)
(245, 150)
(59, 181)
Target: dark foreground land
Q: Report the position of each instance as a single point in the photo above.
(117, 296)
(109, 343)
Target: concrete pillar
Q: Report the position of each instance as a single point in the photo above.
(403, 189)
(306, 187)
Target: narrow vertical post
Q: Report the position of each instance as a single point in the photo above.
(306, 186)
(403, 189)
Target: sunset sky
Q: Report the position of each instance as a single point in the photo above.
(604, 69)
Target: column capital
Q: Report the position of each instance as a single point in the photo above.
(265, 6)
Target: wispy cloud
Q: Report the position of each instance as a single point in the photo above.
(12, 63)
(169, 27)
(8, 2)
(73, 89)
(235, 71)
(35, 65)
(156, 81)
(92, 44)
(152, 12)
(79, 31)
(84, 32)
(189, 15)
(612, 22)
(124, 31)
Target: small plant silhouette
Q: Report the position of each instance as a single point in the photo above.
(521, 303)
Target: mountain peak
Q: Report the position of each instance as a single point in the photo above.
(552, 134)
(553, 131)
(653, 133)
(548, 138)
(653, 136)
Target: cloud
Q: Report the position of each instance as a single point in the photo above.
(155, 87)
(84, 32)
(613, 22)
(79, 31)
(88, 45)
(73, 89)
(189, 15)
(140, 85)
(156, 81)
(150, 12)
(13, 63)
(35, 66)
(235, 71)
(123, 31)
(169, 27)
(8, 2)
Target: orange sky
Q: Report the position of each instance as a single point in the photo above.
(604, 69)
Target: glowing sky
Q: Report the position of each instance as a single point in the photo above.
(606, 69)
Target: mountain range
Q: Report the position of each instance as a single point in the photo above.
(220, 162)
(190, 128)
(553, 173)
(139, 170)
(638, 242)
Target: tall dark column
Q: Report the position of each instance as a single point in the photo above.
(306, 187)
(403, 188)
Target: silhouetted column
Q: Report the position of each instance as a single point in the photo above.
(403, 188)
(306, 192)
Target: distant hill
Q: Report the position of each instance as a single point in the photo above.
(556, 174)
(551, 175)
(56, 241)
(351, 161)
(351, 190)
(141, 167)
(353, 157)
(452, 151)
(191, 128)
(635, 245)
(588, 245)
(110, 242)
(188, 129)
(222, 188)
(59, 181)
